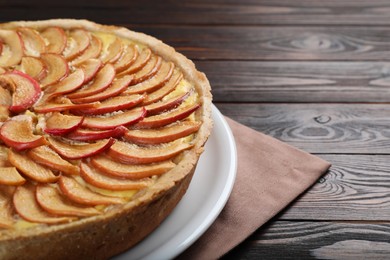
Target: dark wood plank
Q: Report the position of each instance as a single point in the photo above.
(316, 240)
(276, 43)
(355, 188)
(320, 128)
(251, 81)
(213, 12)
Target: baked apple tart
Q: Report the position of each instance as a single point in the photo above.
(101, 131)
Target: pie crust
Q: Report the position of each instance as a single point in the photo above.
(124, 225)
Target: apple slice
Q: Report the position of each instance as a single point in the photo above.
(46, 156)
(60, 124)
(51, 200)
(5, 96)
(116, 87)
(117, 103)
(78, 41)
(28, 208)
(162, 135)
(162, 76)
(33, 43)
(126, 118)
(91, 52)
(25, 90)
(80, 194)
(2, 70)
(6, 211)
(12, 54)
(4, 156)
(114, 51)
(57, 68)
(30, 168)
(80, 150)
(90, 68)
(4, 113)
(103, 79)
(168, 117)
(133, 154)
(109, 167)
(165, 105)
(164, 90)
(34, 67)
(56, 38)
(18, 133)
(149, 70)
(10, 176)
(129, 56)
(97, 179)
(69, 84)
(61, 104)
(91, 135)
(140, 62)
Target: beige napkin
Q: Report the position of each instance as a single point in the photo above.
(270, 175)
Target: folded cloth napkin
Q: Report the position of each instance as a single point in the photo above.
(270, 175)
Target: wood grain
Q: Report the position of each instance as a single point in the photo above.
(256, 81)
(355, 188)
(316, 240)
(248, 12)
(319, 128)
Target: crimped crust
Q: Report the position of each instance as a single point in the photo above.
(102, 236)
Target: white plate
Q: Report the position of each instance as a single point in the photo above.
(205, 198)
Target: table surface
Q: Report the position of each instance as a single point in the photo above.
(314, 74)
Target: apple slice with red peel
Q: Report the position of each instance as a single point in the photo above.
(4, 113)
(80, 150)
(6, 211)
(129, 56)
(78, 41)
(133, 154)
(33, 43)
(91, 52)
(165, 105)
(56, 38)
(13, 53)
(126, 118)
(69, 84)
(103, 79)
(26, 205)
(90, 68)
(128, 171)
(97, 179)
(25, 90)
(164, 90)
(57, 68)
(117, 103)
(10, 176)
(161, 77)
(46, 156)
(168, 117)
(92, 135)
(139, 63)
(162, 135)
(149, 70)
(30, 168)
(60, 124)
(80, 194)
(17, 133)
(51, 200)
(61, 104)
(34, 67)
(114, 51)
(116, 87)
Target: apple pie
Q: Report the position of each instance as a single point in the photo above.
(101, 131)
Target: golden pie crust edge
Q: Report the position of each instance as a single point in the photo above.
(102, 236)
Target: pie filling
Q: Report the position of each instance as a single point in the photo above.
(88, 119)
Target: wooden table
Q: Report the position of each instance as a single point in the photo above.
(312, 73)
